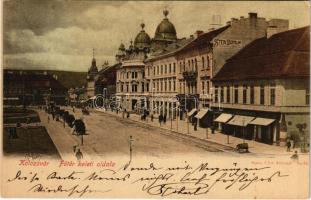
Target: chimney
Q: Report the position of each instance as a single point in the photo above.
(191, 36)
(271, 30)
(198, 33)
(242, 17)
(228, 22)
(252, 15)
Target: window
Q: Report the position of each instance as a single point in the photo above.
(184, 66)
(161, 69)
(158, 71)
(169, 86)
(142, 87)
(161, 86)
(121, 87)
(216, 93)
(236, 94)
(196, 65)
(262, 95)
(203, 84)
(180, 67)
(244, 94)
(134, 88)
(174, 85)
(228, 94)
(192, 65)
(308, 96)
(272, 95)
(165, 85)
(203, 63)
(207, 87)
(207, 62)
(127, 75)
(154, 69)
(189, 66)
(174, 67)
(252, 94)
(165, 69)
(180, 85)
(147, 87)
(127, 88)
(170, 69)
(157, 86)
(221, 94)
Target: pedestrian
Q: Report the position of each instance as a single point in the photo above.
(295, 156)
(160, 118)
(288, 144)
(128, 115)
(151, 117)
(64, 122)
(123, 113)
(79, 154)
(73, 109)
(164, 119)
(48, 118)
(117, 110)
(53, 115)
(195, 125)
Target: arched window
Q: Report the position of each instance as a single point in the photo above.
(203, 64)
(196, 64)
(207, 62)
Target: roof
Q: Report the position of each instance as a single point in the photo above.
(34, 80)
(186, 44)
(283, 55)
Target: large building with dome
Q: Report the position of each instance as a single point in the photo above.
(162, 72)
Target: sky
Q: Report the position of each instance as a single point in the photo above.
(60, 34)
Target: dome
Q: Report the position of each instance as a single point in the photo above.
(165, 30)
(122, 47)
(142, 39)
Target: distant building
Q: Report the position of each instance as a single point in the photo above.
(93, 70)
(265, 88)
(25, 88)
(105, 80)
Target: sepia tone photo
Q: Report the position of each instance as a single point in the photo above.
(155, 99)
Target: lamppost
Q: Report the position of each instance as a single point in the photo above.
(153, 89)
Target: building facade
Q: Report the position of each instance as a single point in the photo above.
(22, 87)
(174, 74)
(265, 88)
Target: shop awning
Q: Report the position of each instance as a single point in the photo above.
(201, 113)
(223, 118)
(262, 121)
(240, 120)
(191, 112)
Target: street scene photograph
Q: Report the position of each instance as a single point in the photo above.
(118, 83)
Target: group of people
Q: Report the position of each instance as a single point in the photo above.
(162, 118)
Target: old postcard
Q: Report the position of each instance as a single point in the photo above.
(155, 99)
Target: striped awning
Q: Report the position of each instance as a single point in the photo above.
(262, 121)
(240, 120)
(191, 112)
(201, 113)
(223, 118)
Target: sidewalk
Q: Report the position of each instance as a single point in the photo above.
(64, 140)
(181, 127)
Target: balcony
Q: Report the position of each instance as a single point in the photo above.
(190, 75)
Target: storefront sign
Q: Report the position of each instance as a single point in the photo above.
(227, 43)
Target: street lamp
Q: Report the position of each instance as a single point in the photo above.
(153, 89)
